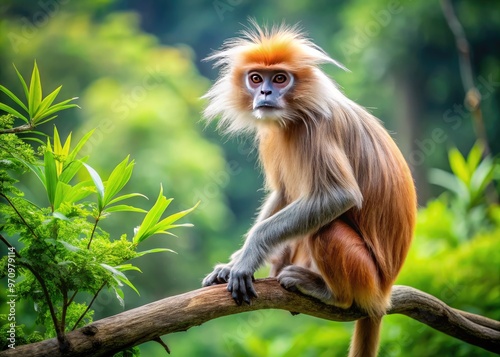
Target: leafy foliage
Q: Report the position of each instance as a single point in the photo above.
(470, 183)
(39, 110)
(62, 251)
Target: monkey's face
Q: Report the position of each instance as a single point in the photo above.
(268, 90)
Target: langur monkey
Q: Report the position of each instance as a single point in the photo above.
(339, 217)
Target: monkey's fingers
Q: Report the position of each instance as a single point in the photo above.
(241, 288)
(223, 275)
(233, 286)
(212, 279)
(249, 284)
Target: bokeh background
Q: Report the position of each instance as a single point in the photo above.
(137, 69)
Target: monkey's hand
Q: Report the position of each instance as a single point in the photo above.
(240, 284)
(220, 275)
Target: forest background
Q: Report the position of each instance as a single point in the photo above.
(138, 72)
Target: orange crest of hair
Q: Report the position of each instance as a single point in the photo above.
(268, 47)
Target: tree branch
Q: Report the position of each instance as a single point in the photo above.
(181, 312)
(18, 129)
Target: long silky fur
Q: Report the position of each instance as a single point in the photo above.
(321, 139)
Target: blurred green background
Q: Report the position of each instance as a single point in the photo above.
(137, 69)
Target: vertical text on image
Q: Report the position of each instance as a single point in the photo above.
(11, 296)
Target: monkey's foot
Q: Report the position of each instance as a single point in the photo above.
(295, 278)
(220, 275)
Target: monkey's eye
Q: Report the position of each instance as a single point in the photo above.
(255, 78)
(280, 78)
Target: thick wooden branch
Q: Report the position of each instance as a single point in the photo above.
(179, 313)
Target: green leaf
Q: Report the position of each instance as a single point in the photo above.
(481, 178)
(69, 246)
(155, 250)
(14, 112)
(152, 217)
(112, 270)
(50, 175)
(35, 92)
(35, 169)
(124, 208)
(127, 267)
(98, 185)
(78, 147)
(66, 262)
(118, 179)
(119, 295)
(125, 280)
(79, 191)
(119, 276)
(66, 245)
(70, 171)
(25, 138)
(13, 97)
(474, 157)
(62, 191)
(60, 216)
(23, 83)
(56, 108)
(40, 122)
(458, 165)
(46, 102)
(64, 103)
(124, 197)
(450, 182)
(167, 222)
(59, 149)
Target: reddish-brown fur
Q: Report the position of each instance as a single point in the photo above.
(326, 141)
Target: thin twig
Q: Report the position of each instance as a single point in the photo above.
(19, 215)
(6, 242)
(17, 129)
(88, 307)
(164, 345)
(72, 297)
(93, 230)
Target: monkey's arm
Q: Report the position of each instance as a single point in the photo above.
(298, 218)
(274, 202)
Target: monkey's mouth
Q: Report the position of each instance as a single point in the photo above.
(265, 105)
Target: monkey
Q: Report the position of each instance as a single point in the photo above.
(340, 210)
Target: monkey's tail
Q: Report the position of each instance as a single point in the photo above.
(365, 339)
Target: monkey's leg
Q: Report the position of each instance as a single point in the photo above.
(345, 269)
(280, 260)
(301, 216)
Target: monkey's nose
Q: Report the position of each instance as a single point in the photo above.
(266, 92)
